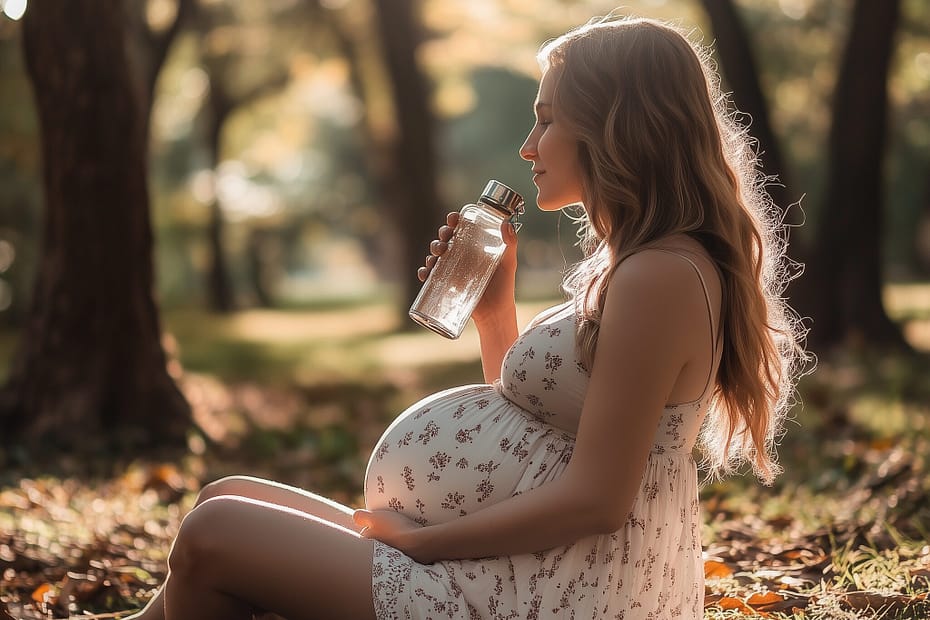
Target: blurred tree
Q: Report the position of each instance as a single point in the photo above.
(921, 243)
(19, 169)
(149, 41)
(841, 289)
(738, 64)
(90, 364)
(399, 147)
(228, 91)
(411, 186)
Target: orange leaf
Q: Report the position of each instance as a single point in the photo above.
(771, 601)
(764, 599)
(40, 594)
(728, 602)
(716, 570)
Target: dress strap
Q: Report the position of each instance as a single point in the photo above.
(714, 337)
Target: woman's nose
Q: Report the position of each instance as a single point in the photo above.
(528, 150)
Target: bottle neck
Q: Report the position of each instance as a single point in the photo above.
(500, 210)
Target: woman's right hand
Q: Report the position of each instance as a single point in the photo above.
(438, 247)
(499, 295)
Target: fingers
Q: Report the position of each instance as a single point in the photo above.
(438, 247)
(362, 518)
(508, 233)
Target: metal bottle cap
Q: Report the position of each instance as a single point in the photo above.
(499, 195)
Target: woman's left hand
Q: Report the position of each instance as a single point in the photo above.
(394, 529)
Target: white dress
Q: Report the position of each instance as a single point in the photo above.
(460, 450)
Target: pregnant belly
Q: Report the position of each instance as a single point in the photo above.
(459, 451)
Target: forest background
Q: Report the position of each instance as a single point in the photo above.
(211, 212)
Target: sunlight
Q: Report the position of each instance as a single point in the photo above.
(795, 9)
(240, 197)
(7, 255)
(160, 13)
(922, 62)
(6, 296)
(14, 9)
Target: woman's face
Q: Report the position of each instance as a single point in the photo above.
(553, 152)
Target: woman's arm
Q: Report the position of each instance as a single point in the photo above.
(647, 335)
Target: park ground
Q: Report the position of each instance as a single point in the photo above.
(302, 396)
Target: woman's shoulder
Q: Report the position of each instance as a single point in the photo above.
(672, 259)
(675, 279)
(674, 284)
(666, 257)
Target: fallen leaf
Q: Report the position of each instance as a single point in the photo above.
(771, 601)
(716, 570)
(766, 598)
(862, 601)
(731, 603)
(42, 593)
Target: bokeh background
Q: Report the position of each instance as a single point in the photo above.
(211, 213)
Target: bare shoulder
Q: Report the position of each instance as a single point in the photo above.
(653, 272)
(657, 288)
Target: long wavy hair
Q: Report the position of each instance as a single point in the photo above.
(661, 154)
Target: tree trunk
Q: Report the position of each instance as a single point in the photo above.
(219, 288)
(842, 289)
(90, 366)
(150, 49)
(740, 70)
(412, 190)
(921, 244)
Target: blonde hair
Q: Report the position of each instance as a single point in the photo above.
(661, 155)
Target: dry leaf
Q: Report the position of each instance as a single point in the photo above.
(716, 570)
(730, 603)
(861, 601)
(41, 594)
(771, 601)
(766, 598)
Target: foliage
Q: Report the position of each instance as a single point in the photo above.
(299, 161)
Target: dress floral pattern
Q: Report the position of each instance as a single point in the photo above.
(465, 448)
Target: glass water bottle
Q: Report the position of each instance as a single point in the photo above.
(461, 274)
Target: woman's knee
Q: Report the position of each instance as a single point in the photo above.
(229, 485)
(199, 542)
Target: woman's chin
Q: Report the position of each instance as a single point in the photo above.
(555, 205)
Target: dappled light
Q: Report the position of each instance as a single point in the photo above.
(212, 213)
(14, 9)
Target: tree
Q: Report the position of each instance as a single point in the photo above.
(411, 187)
(90, 364)
(223, 99)
(149, 46)
(738, 63)
(841, 290)
(921, 244)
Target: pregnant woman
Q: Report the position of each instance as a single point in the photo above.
(563, 487)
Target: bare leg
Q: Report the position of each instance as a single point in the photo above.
(266, 491)
(283, 495)
(233, 556)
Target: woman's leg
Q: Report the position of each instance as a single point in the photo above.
(234, 556)
(267, 491)
(281, 494)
